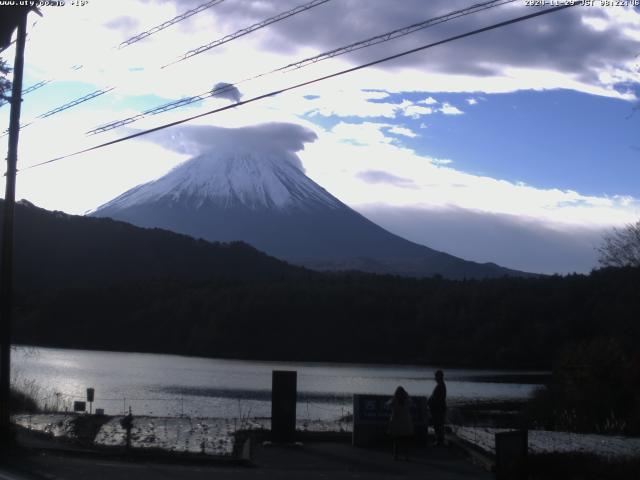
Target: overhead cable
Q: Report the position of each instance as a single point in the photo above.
(41, 84)
(133, 40)
(33, 87)
(303, 63)
(309, 82)
(163, 108)
(67, 105)
(168, 23)
(247, 30)
(400, 32)
(77, 101)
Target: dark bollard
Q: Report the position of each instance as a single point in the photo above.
(511, 455)
(90, 396)
(127, 423)
(283, 406)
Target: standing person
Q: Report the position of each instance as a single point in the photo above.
(400, 424)
(438, 407)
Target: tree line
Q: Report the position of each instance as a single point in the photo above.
(351, 317)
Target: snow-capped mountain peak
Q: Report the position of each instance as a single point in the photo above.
(244, 177)
(262, 196)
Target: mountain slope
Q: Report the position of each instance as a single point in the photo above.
(266, 200)
(54, 250)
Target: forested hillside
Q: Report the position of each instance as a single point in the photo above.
(55, 251)
(506, 323)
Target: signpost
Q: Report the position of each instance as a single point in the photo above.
(371, 414)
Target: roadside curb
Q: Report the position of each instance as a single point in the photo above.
(477, 455)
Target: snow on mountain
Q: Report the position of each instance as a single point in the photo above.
(262, 197)
(255, 180)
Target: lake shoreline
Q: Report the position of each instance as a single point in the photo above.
(543, 372)
(168, 385)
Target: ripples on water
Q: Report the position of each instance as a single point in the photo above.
(162, 385)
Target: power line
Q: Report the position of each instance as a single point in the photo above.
(303, 63)
(310, 82)
(40, 84)
(75, 102)
(247, 30)
(30, 89)
(3, 101)
(36, 86)
(21, 127)
(147, 33)
(400, 32)
(168, 23)
(70, 104)
(130, 41)
(164, 108)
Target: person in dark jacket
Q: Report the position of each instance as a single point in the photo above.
(438, 407)
(400, 424)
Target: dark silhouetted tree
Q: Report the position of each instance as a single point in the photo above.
(621, 247)
(594, 389)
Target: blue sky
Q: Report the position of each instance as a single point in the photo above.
(486, 148)
(559, 138)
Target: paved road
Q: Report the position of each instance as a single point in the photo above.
(310, 461)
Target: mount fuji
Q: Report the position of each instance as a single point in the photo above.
(263, 197)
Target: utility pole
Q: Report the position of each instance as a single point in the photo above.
(6, 272)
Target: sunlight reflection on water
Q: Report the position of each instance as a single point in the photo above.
(174, 385)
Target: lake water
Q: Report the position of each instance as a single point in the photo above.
(171, 385)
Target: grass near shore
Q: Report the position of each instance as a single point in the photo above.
(22, 402)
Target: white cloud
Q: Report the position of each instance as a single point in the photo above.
(103, 25)
(339, 155)
(135, 69)
(429, 101)
(416, 111)
(363, 134)
(449, 109)
(346, 102)
(334, 161)
(471, 101)
(403, 131)
(518, 242)
(441, 161)
(599, 24)
(633, 34)
(377, 176)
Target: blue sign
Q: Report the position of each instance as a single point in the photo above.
(377, 408)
